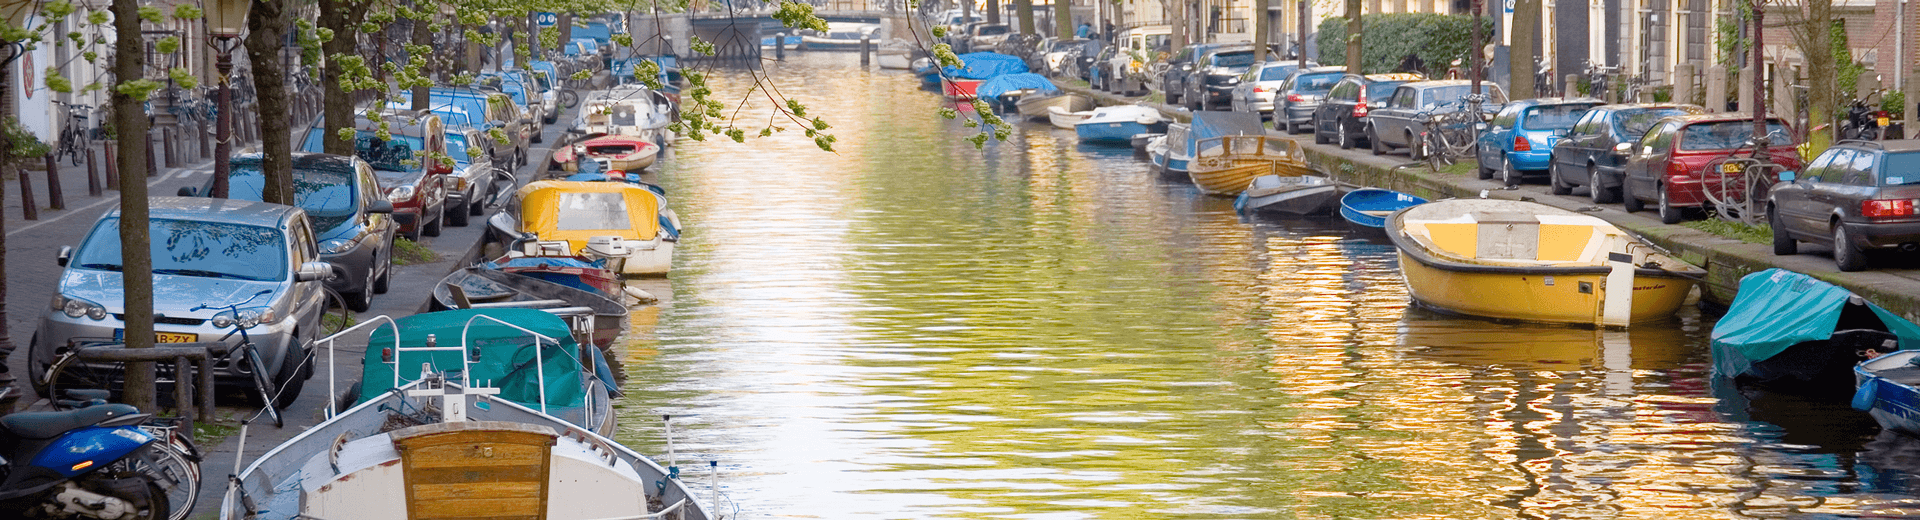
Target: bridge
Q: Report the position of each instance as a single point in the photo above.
(736, 32)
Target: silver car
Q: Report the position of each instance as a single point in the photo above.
(205, 252)
(1258, 84)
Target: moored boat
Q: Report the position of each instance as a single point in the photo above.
(791, 42)
(1062, 119)
(1887, 387)
(1169, 153)
(1787, 331)
(627, 224)
(1368, 208)
(1118, 124)
(1038, 106)
(479, 287)
(1226, 165)
(573, 271)
(1519, 260)
(1290, 195)
(895, 54)
(624, 153)
(840, 36)
(960, 89)
(1140, 141)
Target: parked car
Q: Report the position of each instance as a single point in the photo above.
(1056, 55)
(1119, 72)
(1341, 115)
(526, 103)
(1599, 144)
(1255, 91)
(462, 106)
(352, 219)
(1173, 81)
(407, 165)
(1398, 125)
(1298, 96)
(1856, 196)
(1522, 136)
(472, 177)
(205, 251)
(1214, 75)
(985, 37)
(1666, 168)
(1097, 72)
(1078, 63)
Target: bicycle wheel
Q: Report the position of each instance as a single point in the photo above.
(68, 373)
(262, 384)
(176, 475)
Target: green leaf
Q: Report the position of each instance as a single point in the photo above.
(152, 14)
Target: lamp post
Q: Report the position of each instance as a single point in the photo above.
(225, 20)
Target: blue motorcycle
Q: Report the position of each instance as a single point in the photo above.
(79, 464)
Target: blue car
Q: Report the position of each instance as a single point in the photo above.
(1520, 139)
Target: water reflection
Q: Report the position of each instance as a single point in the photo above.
(911, 328)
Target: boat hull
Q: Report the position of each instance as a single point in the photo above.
(1226, 165)
(1062, 119)
(1039, 107)
(960, 89)
(1228, 181)
(1886, 390)
(1291, 195)
(1547, 295)
(1368, 208)
(1822, 366)
(894, 61)
(1115, 132)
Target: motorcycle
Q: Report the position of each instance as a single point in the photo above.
(79, 464)
(1863, 121)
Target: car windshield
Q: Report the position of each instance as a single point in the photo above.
(1635, 122)
(326, 193)
(1446, 95)
(1379, 90)
(394, 154)
(1316, 83)
(1278, 73)
(1553, 117)
(1233, 59)
(1727, 135)
(194, 248)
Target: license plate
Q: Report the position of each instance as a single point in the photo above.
(161, 337)
(1883, 122)
(1730, 168)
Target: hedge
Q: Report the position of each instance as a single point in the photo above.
(1386, 39)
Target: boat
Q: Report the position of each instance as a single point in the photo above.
(1227, 165)
(1065, 120)
(1525, 261)
(627, 224)
(450, 419)
(476, 287)
(624, 153)
(578, 272)
(928, 72)
(1169, 154)
(840, 36)
(960, 89)
(1367, 208)
(1287, 194)
(1118, 124)
(629, 109)
(1037, 106)
(1887, 387)
(895, 54)
(1791, 332)
(791, 42)
(1140, 141)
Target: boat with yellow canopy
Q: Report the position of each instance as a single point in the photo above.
(627, 224)
(1527, 261)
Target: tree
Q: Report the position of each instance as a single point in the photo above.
(1062, 19)
(266, 28)
(340, 35)
(1812, 26)
(130, 126)
(1354, 62)
(1522, 53)
(1262, 31)
(1025, 7)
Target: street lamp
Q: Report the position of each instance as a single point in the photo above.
(225, 20)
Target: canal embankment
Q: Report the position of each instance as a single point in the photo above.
(1891, 281)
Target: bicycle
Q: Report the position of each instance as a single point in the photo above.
(263, 387)
(73, 134)
(1737, 186)
(1597, 79)
(1449, 136)
(173, 463)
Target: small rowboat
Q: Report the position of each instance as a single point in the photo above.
(1065, 120)
(1368, 208)
(1039, 106)
(1118, 124)
(578, 272)
(1886, 389)
(1227, 165)
(477, 287)
(1291, 195)
(617, 152)
(960, 89)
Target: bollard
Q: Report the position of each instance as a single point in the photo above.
(113, 166)
(1683, 86)
(168, 142)
(866, 50)
(780, 46)
(93, 180)
(1716, 88)
(27, 208)
(153, 166)
(205, 151)
(55, 199)
(1573, 86)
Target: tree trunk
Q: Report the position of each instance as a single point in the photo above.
(1353, 38)
(419, 33)
(7, 382)
(1820, 73)
(1062, 20)
(266, 29)
(343, 16)
(1025, 7)
(993, 11)
(130, 127)
(1262, 31)
(1521, 54)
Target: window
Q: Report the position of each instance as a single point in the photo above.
(1554, 117)
(1632, 123)
(1404, 98)
(1660, 140)
(1900, 168)
(194, 248)
(303, 249)
(1726, 135)
(1314, 83)
(1588, 122)
(1506, 117)
(1861, 172)
(593, 211)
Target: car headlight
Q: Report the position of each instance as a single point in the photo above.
(76, 307)
(246, 318)
(334, 246)
(400, 194)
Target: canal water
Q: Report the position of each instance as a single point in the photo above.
(911, 328)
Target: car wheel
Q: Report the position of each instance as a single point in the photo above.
(1783, 243)
(456, 215)
(37, 367)
(432, 228)
(1595, 191)
(1480, 168)
(1346, 140)
(1554, 183)
(1627, 199)
(537, 138)
(415, 235)
(289, 379)
(1416, 150)
(1846, 256)
(1508, 175)
(1668, 213)
(1373, 142)
(1292, 129)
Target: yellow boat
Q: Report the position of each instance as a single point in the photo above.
(627, 224)
(1526, 261)
(1226, 165)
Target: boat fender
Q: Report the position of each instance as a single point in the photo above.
(1866, 395)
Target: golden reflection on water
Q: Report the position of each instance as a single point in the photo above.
(912, 328)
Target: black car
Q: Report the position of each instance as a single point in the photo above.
(1210, 83)
(1173, 82)
(352, 219)
(1857, 195)
(1593, 146)
(1342, 116)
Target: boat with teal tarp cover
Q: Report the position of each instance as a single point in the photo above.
(577, 385)
(1791, 332)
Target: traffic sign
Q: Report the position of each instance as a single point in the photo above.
(546, 19)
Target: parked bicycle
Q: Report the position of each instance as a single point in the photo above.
(1737, 186)
(175, 462)
(73, 133)
(263, 387)
(1450, 131)
(1598, 78)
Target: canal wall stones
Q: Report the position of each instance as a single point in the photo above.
(1895, 287)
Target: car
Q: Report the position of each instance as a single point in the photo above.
(1120, 71)
(528, 103)
(1214, 75)
(1097, 70)
(352, 219)
(205, 251)
(473, 173)
(1056, 55)
(1254, 92)
(1300, 94)
(1666, 168)
(1856, 196)
(487, 110)
(1522, 136)
(1598, 145)
(1399, 124)
(1173, 80)
(1079, 60)
(408, 165)
(985, 37)
(1341, 116)
(960, 38)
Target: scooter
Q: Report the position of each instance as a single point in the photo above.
(1863, 121)
(78, 464)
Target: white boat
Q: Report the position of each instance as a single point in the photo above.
(448, 444)
(1118, 124)
(841, 36)
(1065, 120)
(1888, 388)
(896, 54)
(631, 110)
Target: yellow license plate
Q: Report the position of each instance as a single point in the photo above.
(1731, 168)
(1882, 121)
(175, 337)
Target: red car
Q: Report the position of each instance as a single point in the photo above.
(1664, 168)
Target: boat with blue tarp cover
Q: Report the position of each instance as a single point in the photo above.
(1368, 208)
(1791, 332)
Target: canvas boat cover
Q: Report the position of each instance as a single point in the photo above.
(1777, 309)
(999, 85)
(984, 65)
(506, 355)
(1214, 123)
(576, 211)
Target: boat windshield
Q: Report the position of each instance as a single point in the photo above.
(592, 211)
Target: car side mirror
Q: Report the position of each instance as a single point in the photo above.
(66, 254)
(380, 206)
(1786, 176)
(313, 271)
(1623, 148)
(188, 191)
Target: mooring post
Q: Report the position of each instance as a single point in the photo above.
(93, 177)
(866, 50)
(55, 199)
(780, 46)
(113, 167)
(27, 208)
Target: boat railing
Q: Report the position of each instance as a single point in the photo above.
(540, 364)
(333, 408)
